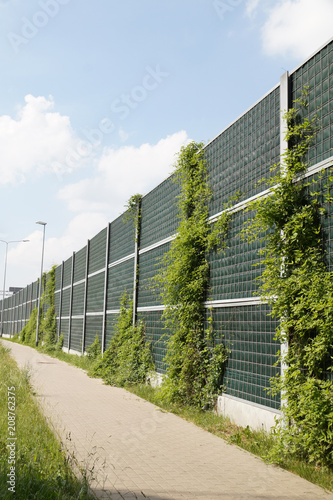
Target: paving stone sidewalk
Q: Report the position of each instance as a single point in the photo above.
(140, 452)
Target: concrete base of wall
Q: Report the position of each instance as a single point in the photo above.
(239, 411)
(71, 351)
(6, 336)
(244, 413)
(155, 379)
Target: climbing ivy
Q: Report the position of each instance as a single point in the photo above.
(128, 359)
(133, 212)
(28, 333)
(299, 288)
(47, 325)
(194, 364)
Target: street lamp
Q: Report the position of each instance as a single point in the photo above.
(4, 278)
(40, 281)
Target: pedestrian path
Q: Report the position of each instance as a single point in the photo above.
(137, 451)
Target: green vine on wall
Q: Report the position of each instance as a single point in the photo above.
(195, 364)
(133, 212)
(48, 324)
(300, 290)
(128, 359)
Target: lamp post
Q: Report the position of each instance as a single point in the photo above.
(40, 281)
(4, 278)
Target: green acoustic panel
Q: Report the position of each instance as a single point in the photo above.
(65, 302)
(9, 303)
(122, 238)
(28, 292)
(157, 334)
(317, 74)
(35, 287)
(46, 303)
(78, 299)
(5, 326)
(80, 264)
(235, 268)
(94, 326)
(58, 327)
(67, 280)
(110, 329)
(57, 303)
(28, 309)
(76, 334)
(23, 312)
(149, 265)
(318, 183)
(120, 281)
(6, 314)
(64, 331)
(244, 153)
(159, 213)
(16, 313)
(248, 331)
(95, 293)
(97, 252)
(58, 271)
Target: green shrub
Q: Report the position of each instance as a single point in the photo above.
(128, 358)
(194, 364)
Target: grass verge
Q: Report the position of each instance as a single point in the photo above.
(257, 442)
(33, 463)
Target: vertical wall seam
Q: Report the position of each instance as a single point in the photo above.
(71, 304)
(106, 284)
(60, 299)
(136, 261)
(284, 108)
(85, 298)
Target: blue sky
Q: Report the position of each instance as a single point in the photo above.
(96, 98)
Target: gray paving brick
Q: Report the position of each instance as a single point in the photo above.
(139, 452)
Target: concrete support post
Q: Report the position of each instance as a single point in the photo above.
(85, 298)
(71, 304)
(136, 261)
(60, 299)
(107, 251)
(284, 107)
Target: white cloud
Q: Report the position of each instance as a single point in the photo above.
(34, 141)
(122, 173)
(297, 28)
(96, 201)
(123, 135)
